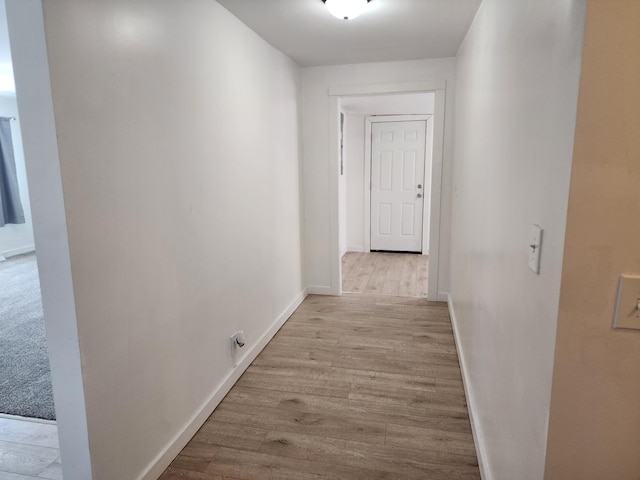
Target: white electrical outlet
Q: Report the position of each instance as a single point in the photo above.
(237, 339)
(237, 342)
(535, 245)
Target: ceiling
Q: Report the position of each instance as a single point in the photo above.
(303, 29)
(388, 30)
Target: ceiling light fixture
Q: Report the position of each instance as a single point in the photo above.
(346, 9)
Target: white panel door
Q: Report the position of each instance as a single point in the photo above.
(397, 185)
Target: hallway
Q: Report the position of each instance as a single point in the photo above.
(352, 387)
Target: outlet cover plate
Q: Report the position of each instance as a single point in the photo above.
(627, 314)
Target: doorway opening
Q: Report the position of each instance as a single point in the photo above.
(388, 189)
(29, 442)
(26, 47)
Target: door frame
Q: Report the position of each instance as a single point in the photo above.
(25, 19)
(438, 87)
(369, 121)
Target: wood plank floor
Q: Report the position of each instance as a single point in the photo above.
(29, 450)
(352, 387)
(398, 274)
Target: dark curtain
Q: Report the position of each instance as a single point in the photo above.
(10, 205)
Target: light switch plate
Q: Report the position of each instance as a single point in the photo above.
(535, 245)
(627, 314)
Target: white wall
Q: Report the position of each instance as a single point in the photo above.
(342, 191)
(317, 182)
(180, 166)
(355, 127)
(7, 82)
(17, 239)
(516, 100)
(396, 104)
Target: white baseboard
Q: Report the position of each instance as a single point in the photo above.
(316, 290)
(18, 251)
(442, 297)
(356, 249)
(166, 456)
(478, 438)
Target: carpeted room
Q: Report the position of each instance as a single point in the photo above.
(28, 434)
(25, 380)
(25, 384)
(29, 445)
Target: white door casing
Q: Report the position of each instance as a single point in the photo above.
(436, 129)
(397, 185)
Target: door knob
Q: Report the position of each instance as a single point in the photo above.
(419, 195)
(419, 186)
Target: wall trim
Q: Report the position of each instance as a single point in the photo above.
(478, 438)
(25, 19)
(384, 88)
(318, 290)
(160, 463)
(442, 297)
(18, 251)
(358, 249)
(335, 94)
(27, 419)
(334, 169)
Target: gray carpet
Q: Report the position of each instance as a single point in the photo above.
(25, 379)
